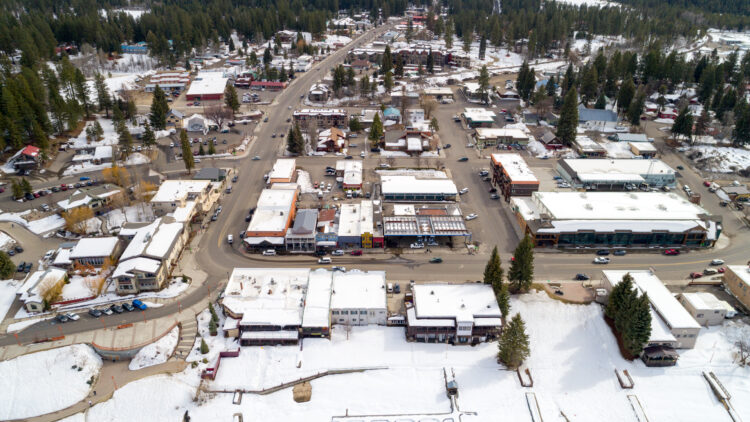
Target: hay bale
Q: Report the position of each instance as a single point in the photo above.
(302, 392)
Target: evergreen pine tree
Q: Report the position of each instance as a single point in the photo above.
(484, 84)
(354, 125)
(388, 81)
(25, 185)
(159, 109)
(513, 347)
(149, 138)
(187, 152)
(482, 47)
(448, 36)
(701, 125)
(568, 122)
(231, 100)
(493, 271)
(741, 131)
(551, 86)
(636, 108)
(638, 330)
(231, 44)
(387, 62)
(102, 94)
(204, 347)
(212, 328)
(7, 267)
(376, 131)
(125, 139)
(82, 91)
(601, 102)
(683, 124)
(617, 295)
(521, 273)
(399, 68)
(430, 62)
(211, 148)
(589, 85)
(17, 189)
(625, 96)
(503, 300)
(201, 151)
(624, 311)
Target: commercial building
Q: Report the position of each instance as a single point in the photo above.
(626, 219)
(453, 313)
(327, 235)
(281, 305)
(168, 81)
(323, 117)
(350, 172)
(704, 307)
(174, 195)
(212, 174)
(596, 119)
(356, 228)
(586, 147)
(512, 175)
(737, 280)
(269, 85)
(95, 251)
(484, 137)
(416, 188)
(283, 171)
(479, 117)
(301, 236)
(643, 149)
(273, 216)
(153, 252)
(671, 324)
(629, 137)
(439, 93)
(615, 174)
(358, 298)
(207, 86)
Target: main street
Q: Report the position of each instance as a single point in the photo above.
(218, 259)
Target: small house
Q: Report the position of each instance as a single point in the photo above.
(28, 159)
(704, 307)
(331, 140)
(174, 119)
(95, 251)
(550, 140)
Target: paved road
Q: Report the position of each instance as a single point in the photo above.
(217, 258)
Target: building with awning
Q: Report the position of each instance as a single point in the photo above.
(274, 214)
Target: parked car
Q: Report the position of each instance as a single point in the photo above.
(62, 318)
(248, 218)
(269, 252)
(73, 317)
(117, 309)
(140, 305)
(446, 146)
(21, 266)
(417, 246)
(18, 249)
(680, 168)
(106, 311)
(230, 239)
(602, 252)
(235, 178)
(358, 252)
(620, 252)
(471, 216)
(256, 158)
(582, 277)
(493, 190)
(336, 268)
(128, 307)
(27, 268)
(717, 262)
(696, 275)
(49, 254)
(95, 313)
(463, 191)
(494, 196)
(671, 252)
(436, 260)
(601, 260)
(463, 159)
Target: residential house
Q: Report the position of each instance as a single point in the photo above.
(174, 119)
(331, 140)
(176, 194)
(550, 140)
(704, 307)
(96, 198)
(28, 158)
(595, 119)
(32, 291)
(360, 64)
(319, 93)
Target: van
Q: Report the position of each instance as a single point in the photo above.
(324, 260)
(389, 288)
(710, 271)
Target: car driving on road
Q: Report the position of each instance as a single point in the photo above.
(601, 260)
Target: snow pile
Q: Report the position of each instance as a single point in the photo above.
(157, 352)
(6, 242)
(47, 381)
(40, 226)
(137, 158)
(304, 183)
(617, 149)
(720, 159)
(537, 148)
(8, 290)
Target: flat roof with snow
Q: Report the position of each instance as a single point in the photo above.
(267, 296)
(607, 168)
(673, 313)
(704, 301)
(358, 290)
(412, 184)
(208, 84)
(515, 167)
(272, 210)
(283, 168)
(459, 302)
(742, 272)
(177, 190)
(318, 299)
(483, 133)
(89, 247)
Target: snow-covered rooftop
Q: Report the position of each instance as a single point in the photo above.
(273, 209)
(358, 290)
(89, 247)
(154, 240)
(608, 168)
(126, 267)
(177, 190)
(616, 206)
(267, 296)
(494, 133)
(673, 313)
(479, 114)
(412, 184)
(208, 83)
(515, 167)
(318, 299)
(460, 302)
(283, 169)
(742, 272)
(704, 301)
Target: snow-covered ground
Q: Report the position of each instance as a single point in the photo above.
(8, 290)
(617, 149)
(721, 159)
(574, 355)
(6, 242)
(137, 158)
(18, 326)
(133, 214)
(47, 381)
(157, 352)
(40, 226)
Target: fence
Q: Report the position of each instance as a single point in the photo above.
(116, 353)
(210, 372)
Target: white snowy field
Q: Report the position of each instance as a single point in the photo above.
(40, 226)
(573, 359)
(6, 242)
(156, 352)
(47, 381)
(722, 159)
(8, 290)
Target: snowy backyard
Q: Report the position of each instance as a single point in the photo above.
(720, 159)
(47, 381)
(573, 359)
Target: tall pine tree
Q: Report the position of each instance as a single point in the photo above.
(187, 152)
(521, 273)
(159, 109)
(513, 347)
(568, 122)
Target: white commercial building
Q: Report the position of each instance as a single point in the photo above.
(454, 313)
(174, 194)
(274, 213)
(488, 136)
(615, 174)
(671, 324)
(416, 188)
(283, 171)
(358, 298)
(639, 219)
(705, 308)
(207, 86)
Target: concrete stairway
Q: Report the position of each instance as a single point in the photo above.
(188, 332)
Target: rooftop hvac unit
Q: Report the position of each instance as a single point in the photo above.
(589, 207)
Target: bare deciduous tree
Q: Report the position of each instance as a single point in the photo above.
(218, 114)
(743, 352)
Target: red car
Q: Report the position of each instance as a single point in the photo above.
(357, 253)
(36, 194)
(706, 183)
(671, 252)
(721, 270)
(696, 275)
(315, 185)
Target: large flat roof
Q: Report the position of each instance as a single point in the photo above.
(358, 290)
(614, 167)
(174, 190)
(616, 206)
(272, 210)
(412, 184)
(462, 302)
(90, 247)
(742, 272)
(283, 168)
(494, 133)
(209, 83)
(355, 219)
(515, 167)
(267, 296)
(673, 313)
(318, 299)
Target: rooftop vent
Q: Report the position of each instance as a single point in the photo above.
(588, 207)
